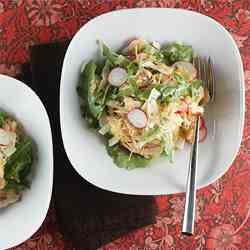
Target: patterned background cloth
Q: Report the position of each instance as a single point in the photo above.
(223, 208)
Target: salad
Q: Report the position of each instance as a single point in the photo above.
(16, 157)
(144, 100)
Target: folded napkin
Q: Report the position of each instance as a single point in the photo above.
(87, 216)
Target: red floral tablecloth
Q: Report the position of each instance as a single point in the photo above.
(223, 208)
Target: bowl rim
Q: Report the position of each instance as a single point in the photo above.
(21, 85)
(166, 10)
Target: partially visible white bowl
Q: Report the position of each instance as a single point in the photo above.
(225, 118)
(22, 219)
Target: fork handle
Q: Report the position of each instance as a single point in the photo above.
(189, 213)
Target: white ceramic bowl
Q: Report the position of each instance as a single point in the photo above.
(21, 220)
(225, 118)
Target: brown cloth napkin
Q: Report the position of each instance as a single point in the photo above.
(88, 216)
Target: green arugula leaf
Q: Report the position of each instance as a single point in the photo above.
(154, 53)
(113, 58)
(143, 95)
(130, 89)
(169, 155)
(180, 80)
(150, 135)
(132, 69)
(113, 93)
(175, 52)
(195, 85)
(104, 76)
(168, 147)
(173, 92)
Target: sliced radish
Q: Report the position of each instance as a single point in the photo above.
(202, 134)
(187, 67)
(137, 118)
(117, 76)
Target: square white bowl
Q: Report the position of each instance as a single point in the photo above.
(22, 219)
(224, 118)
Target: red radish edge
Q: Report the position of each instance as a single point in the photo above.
(202, 134)
(131, 56)
(132, 121)
(152, 145)
(186, 110)
(125, 48)
(181, 111)
(202, 122)
(131, 40)
(202, 130)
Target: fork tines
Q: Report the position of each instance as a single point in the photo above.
(205, 72)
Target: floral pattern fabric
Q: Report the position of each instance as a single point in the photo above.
(223, 208)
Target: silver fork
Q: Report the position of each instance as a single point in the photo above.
(206, 74)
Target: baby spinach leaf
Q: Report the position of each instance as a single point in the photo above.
(18, 166)
(123, 159)
(87, 91)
